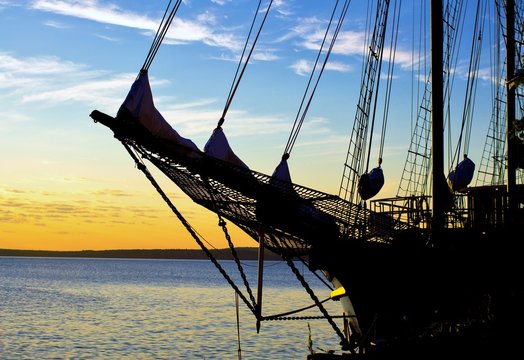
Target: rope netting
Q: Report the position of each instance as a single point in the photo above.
(294, 218)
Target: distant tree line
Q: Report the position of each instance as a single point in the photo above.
(245, 253)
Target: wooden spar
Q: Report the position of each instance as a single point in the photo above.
(510, 111)
(260, 276)
(437, 114)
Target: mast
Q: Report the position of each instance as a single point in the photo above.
(510, 110)
(437, 114)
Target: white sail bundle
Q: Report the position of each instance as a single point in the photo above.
(218, 147)
(140, 105)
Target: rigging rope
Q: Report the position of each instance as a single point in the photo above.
(238, 76)
(142, 167)
(222, 223)
(325, 315)
(392, 56)
(469, 99)
(316, 275)
(161, 32)
(299, 119)
(282, 316)
(454, 9)
(392, 53)
(316, 300)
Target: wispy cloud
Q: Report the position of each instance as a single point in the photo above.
(181, 31)
(282, 8)
(12, 117)
(97, 91)
(108, 38)
(310, 33)
(56, 24)
(96, 11)
(220, 2)
(43, 65)
(50, 81)
(304, 67)
(111, 192)
(200, 120)
(18, 206)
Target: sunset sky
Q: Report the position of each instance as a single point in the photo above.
(67, 184)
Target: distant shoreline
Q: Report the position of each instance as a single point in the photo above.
(245, 253)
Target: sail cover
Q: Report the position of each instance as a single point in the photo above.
(282, 173)
(460, 178)
(370, 183)
(139, 104)
(218, 147)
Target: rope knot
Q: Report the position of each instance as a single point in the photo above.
(221, 121)
(285, 156)
(221, 223)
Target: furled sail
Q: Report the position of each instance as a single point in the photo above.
(218, 147)
(139, 106)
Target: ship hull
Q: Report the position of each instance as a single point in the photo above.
(466, 285)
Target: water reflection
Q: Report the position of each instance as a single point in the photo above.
(143, 309)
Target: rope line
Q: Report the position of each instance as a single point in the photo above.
(282, 316)
(163, 27)
(238, 76)
(316, 300)
(142, 167)
(322, 280)
(469, 99)
(318, 317)
(389, 81)
(297, 125)
(391, 66)
(243, 52)
(222, 223)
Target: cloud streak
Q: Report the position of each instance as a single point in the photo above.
(303, 67)
(181, 31)
(96, 11)
(22, 207)
(51, 82)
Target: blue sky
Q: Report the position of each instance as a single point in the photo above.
(61, 59)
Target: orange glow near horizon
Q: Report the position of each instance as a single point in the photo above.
(105, 220)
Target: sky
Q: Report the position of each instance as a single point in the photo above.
(67, 184)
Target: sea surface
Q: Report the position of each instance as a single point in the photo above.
(70, 308)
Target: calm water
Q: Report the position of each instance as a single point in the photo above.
(148, 309)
